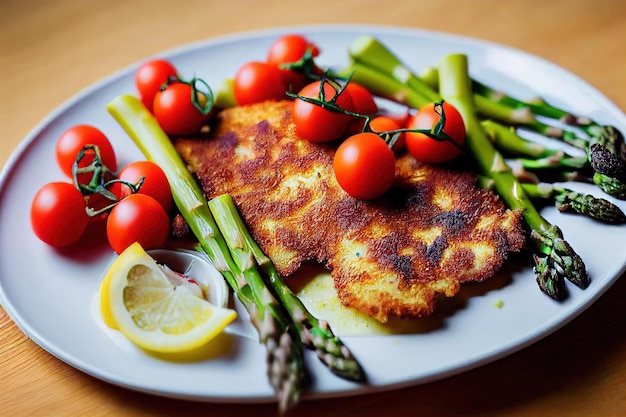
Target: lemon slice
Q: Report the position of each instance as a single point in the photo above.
(156, 308)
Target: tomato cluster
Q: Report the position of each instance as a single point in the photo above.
(284, 70)
(133, 205)
(182, 107)
(364, 163)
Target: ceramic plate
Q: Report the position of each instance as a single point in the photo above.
(50, 293)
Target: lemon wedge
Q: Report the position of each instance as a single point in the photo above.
(156, 308)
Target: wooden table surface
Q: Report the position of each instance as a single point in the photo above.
(53, 49)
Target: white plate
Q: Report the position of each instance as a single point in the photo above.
(49, 293)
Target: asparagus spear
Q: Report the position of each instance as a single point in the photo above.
(369, 52)
(553, 162)
(555, 260)
(568, 200)
(506, 138)
(610, 185)
(531, 155)
(387, 87)
(315, 334)
(284, 352)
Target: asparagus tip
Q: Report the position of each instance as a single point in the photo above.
(606, 162)
(333, 352)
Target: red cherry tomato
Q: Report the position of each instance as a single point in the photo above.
(289, 49)
(72, 141)
(428, 150)
(175, 111)
(255, 82)
(149, 78)
(154, 184)
(58, 215)
(362, 99)
(364, 166)
(401, 117)
(382, 124)
(363, 103)
(314, 122)
(137, 218)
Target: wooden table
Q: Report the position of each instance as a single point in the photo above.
(53, 49)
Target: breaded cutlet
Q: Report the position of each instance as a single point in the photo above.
(434, 230)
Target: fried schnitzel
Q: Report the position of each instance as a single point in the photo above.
(434, 230)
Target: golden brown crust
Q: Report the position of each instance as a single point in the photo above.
(433, 231)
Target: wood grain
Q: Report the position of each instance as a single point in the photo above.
(51, 50)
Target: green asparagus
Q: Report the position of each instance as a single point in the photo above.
(532, 155)
(284, 351)
(506, 139)
(316, 335)
(610, 185)
(387, 87)
(555, 260)
(568, 200)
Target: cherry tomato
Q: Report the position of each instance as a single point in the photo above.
(137, 218)
(174, 109)
(154, 184)
(289, 49)
(364, 166)
(381, 124)
(363, 104)
(73, 140)
(255, 82)
(428, 150)
(401, 117)
(149, 78)
(58, 215)
(362, 99)
(316, 123)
